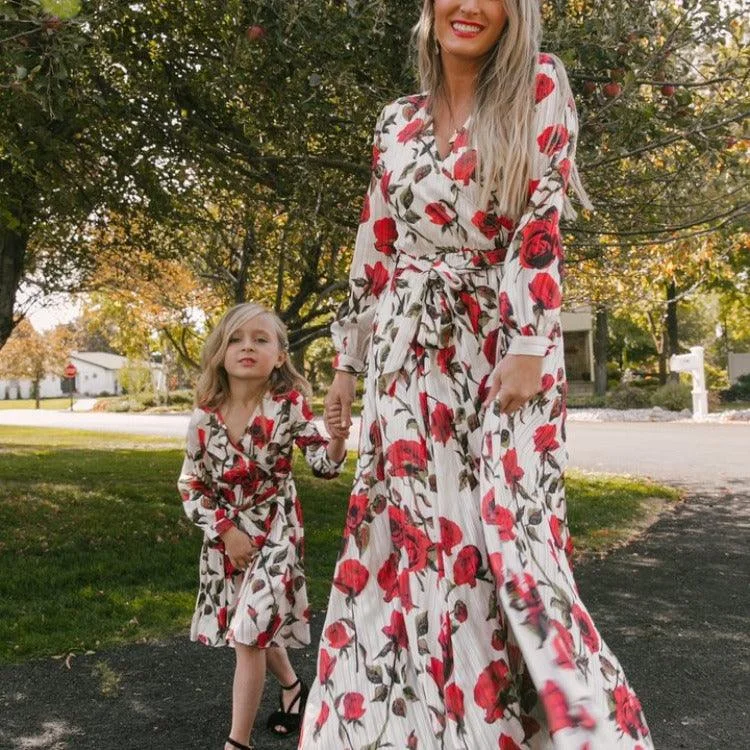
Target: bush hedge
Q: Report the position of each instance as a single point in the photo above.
(673, 397)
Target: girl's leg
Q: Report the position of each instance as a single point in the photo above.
(249, 676)
(280, 666)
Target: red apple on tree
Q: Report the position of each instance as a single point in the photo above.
(51, 24)
(612, 89)
(255, 33)
(668, 89)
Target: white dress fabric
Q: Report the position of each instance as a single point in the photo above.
(454, 621)
(248, 484)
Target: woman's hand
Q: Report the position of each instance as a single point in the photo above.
(515, 381)
(338, 404)
(239, 547)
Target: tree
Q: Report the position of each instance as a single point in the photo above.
(71, 142)
(29, 354)
(244, 155)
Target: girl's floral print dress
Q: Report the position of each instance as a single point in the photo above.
(454, 621)
(249, 485)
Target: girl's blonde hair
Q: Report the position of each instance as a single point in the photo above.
(212, 389)
(502, 121)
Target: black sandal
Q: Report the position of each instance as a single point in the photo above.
(238, 745)
(290, 721)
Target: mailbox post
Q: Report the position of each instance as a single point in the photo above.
(693, 363)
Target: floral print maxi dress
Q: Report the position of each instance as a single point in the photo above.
(249, 484)
(454, 621)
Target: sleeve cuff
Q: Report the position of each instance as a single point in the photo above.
(536, 346)
(346, 363)
(222, 526)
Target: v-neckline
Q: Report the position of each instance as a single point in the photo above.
(436, 146)
(257, 411)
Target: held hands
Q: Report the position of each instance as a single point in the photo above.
(239, 547)
(338, 405)
(516, 379)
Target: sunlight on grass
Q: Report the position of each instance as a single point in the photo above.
(58, 404)
(96, 550)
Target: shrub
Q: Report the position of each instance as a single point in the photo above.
(673, 397)
(614, 372)
(628, 397)
(181, 398)
(739, 391)
(585, 401)
(716, 378)
(135, 379)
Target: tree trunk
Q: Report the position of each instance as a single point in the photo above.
(672, 328)
(601, 345)
(37, 388)
(12, 254)
(298, 358)
(662, 350)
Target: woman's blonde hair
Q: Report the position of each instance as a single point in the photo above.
(212, 389)
(502, 120)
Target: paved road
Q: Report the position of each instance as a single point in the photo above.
(697, 456)
(692, 455)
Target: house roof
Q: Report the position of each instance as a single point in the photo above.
(105, 360)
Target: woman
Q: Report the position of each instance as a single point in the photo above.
(454, 621)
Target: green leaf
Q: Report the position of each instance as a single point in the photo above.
(64, 9)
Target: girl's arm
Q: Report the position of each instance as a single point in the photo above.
(201, 503)
(325, 457)
(531, 298)
(372, 263)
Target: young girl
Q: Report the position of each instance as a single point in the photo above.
(236, 485)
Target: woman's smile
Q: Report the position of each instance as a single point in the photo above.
(466, 29)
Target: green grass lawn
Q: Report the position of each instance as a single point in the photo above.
(95, 549)
(30, 403)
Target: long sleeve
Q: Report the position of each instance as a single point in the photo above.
(531, 297)
(312, 444)
(372, 263)
(202, 505)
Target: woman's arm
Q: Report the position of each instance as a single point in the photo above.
(372, 262)
(530, 297)
(370, 273)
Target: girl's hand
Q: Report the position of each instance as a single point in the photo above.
(240, 548)
(338, 404)
(515, 381)
(337, 449)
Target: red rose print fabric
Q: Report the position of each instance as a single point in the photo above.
(454, 620)
(249, 485)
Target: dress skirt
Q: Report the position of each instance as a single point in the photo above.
(454, 621)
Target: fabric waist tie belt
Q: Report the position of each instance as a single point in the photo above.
(434, 284)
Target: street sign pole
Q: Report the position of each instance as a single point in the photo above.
(70, 374)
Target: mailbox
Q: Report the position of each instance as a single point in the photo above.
(693, 363)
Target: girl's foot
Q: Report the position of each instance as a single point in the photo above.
(231, 744)
(288, 718)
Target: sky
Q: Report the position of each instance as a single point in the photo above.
(61, 308)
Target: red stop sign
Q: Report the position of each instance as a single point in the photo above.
(70, 370)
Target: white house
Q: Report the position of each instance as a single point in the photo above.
(98, 375)
(739, 364)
